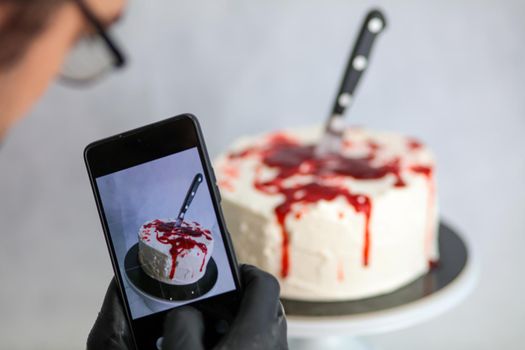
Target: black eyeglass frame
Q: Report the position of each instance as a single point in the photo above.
(119, 59)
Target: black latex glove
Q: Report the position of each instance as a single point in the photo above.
(111, 330)
(259, 323)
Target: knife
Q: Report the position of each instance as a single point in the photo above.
(192, 190)
(372, 26)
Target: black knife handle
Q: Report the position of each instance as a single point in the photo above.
(192, 190)
(372, 26)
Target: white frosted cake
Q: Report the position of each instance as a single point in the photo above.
(340, 227)
(174, 254)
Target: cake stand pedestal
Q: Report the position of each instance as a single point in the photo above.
(338, 325)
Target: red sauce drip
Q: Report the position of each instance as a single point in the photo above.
(181, 239)
(347, 144)
(433, 264)
(374, 146)
(340, 271)
(230, 171)
(425, 170)
(226, 185)
(414, 144)
(312, 193)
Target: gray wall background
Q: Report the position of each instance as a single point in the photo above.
(449, 72)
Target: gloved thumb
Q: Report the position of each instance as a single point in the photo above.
(183, 329)
(111, 329)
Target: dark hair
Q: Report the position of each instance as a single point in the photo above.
(23, 21)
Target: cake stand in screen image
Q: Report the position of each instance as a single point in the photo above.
(337, 325)
(173, 259)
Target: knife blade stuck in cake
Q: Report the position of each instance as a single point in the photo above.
(192, 190)
(373, 25)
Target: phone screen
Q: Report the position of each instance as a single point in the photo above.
(165, 233)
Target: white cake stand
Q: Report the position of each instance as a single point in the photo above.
(339, 325)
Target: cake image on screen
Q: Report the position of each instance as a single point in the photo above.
(336, 227)
(173, 253)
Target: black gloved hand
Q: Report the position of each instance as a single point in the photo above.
(259, 323)
(111, 330)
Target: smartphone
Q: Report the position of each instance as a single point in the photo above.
(159, 205)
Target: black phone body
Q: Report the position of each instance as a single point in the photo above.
(141, 181)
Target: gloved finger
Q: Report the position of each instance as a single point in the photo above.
(260, 321)
(183, 329)
(111, 330)
(260, 297)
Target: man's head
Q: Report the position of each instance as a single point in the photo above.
(35, 37)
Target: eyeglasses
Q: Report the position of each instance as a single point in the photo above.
(93, 55)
